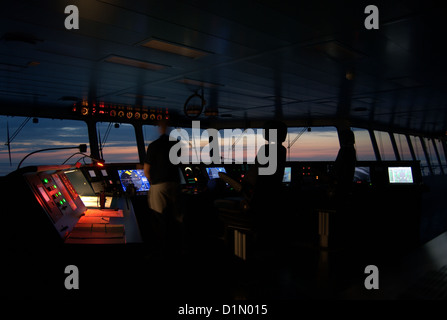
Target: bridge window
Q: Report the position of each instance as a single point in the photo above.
(419, 152)
(402, 146)
(363, 145)
(320, 144)
(385, 146)
(118, 144)
(436, 166)
(46, 133)
(440, 148)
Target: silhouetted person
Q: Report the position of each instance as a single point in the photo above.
(267, 206)
(164, 179)
(344, 167)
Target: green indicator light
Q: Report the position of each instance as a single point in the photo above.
(60, 193)
(64, 200)
(61, 202)
(45, 180)
(54, 186)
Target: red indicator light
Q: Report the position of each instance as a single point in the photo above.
(100, 163)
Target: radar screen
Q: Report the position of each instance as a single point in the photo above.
(136, 177)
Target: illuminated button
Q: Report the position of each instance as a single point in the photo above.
(61, 202)
(54, 186)
(60, 193)
(45, 181)
(64, 200)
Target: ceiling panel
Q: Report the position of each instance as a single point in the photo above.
(263, 55)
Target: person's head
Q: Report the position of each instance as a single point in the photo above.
(163, 126)
(281, 130)
(346, 138)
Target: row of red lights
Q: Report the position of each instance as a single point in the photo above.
(120, 111)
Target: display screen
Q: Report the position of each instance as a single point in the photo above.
(135, 176)
(213, 173)
(400, 175)
(362, 175)
(287, 175)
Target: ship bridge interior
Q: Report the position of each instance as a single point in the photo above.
(83, 85)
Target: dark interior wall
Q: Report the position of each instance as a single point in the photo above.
(434, 207)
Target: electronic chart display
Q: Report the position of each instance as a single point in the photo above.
(135, 176)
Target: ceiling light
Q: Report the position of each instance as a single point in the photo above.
(20, 37)
(199, 83)
(174, 48)
(283, 99)
(135, 63)
(338, 51)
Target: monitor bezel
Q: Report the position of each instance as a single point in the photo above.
(400, 182)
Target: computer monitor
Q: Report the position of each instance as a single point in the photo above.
(135, 176)
(213, 172)
(362, 175)
(400, 175)
(287, 178)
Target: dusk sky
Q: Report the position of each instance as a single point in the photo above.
(319, 144)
